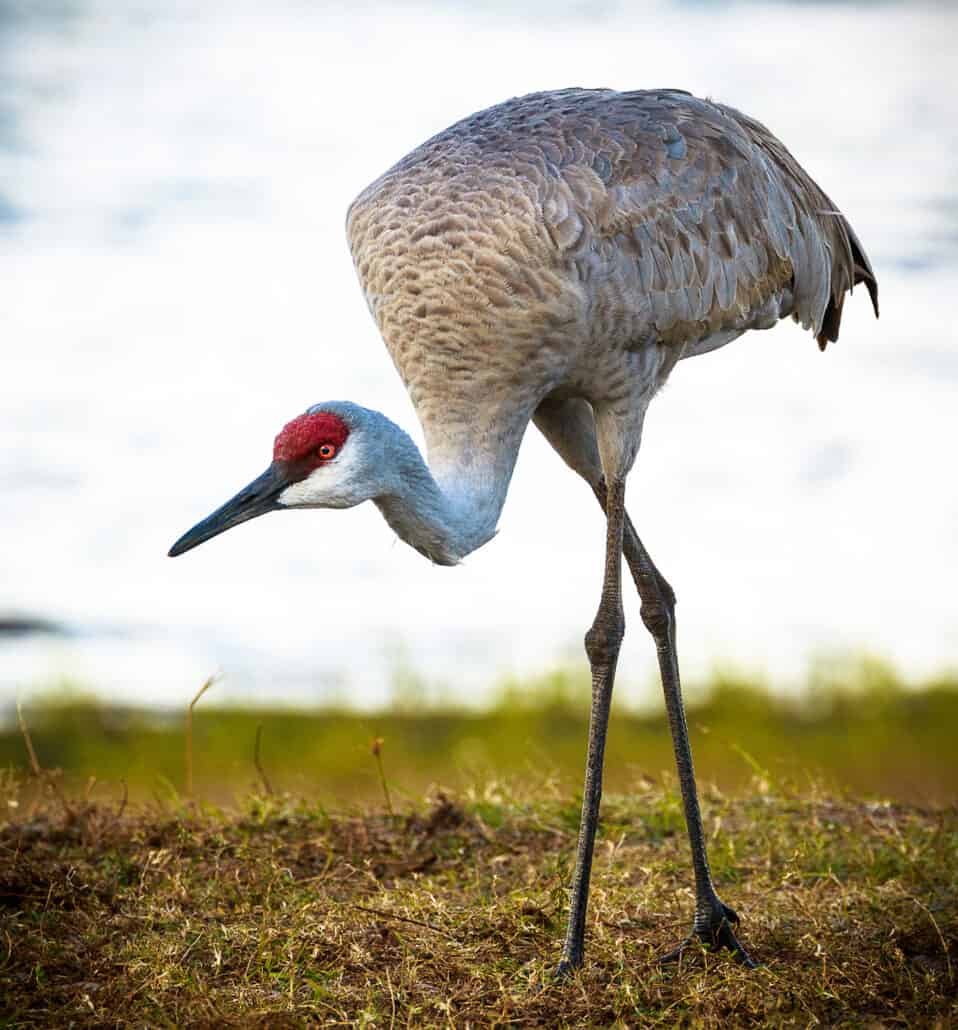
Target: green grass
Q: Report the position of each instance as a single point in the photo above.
(450, 912)
(867, 733)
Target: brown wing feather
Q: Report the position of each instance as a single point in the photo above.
(848, 265)
(699, 209)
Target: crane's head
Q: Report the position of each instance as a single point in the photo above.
(320, 460)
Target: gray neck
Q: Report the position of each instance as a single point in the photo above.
(449, 511)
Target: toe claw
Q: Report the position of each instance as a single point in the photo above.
(716, 935)
(727, 940)
(565, 969)
(675, 954)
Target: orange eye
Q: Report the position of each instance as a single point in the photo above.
(326, 451)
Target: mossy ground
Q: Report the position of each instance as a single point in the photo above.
(450, 913)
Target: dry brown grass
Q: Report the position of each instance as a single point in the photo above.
(451, 912)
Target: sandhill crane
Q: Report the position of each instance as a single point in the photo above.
(550, 260)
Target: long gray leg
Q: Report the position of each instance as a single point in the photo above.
(713, 919)
(602, 644)
(569, 426)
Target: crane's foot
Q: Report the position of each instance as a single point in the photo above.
(715, 932)
(568, 964)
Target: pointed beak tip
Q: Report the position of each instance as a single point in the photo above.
(255, 499)
(185, 543)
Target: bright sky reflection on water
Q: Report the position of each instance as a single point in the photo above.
(173, 183)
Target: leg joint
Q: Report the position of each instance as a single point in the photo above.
(604, 638)
(658, 613)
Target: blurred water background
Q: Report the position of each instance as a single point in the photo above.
(175, 285)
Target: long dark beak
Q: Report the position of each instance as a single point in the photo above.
(256, 499)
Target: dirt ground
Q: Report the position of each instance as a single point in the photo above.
(451, 913)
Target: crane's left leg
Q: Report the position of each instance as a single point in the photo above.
(569, 426)
(602, 644)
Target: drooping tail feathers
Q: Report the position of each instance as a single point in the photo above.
(848, 270)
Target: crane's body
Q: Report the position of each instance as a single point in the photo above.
(578, 244)
(550, 260)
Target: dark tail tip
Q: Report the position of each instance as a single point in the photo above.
(865, 276)
(862, 267)
(861, 272)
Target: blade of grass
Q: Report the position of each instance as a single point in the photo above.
(377, 749)
(259, 765)
(44, 776)
(189, 735)
(34, 763)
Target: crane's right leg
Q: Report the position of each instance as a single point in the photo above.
(602, 646)
(569, 426)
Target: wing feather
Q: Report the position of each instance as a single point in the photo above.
(705, 213)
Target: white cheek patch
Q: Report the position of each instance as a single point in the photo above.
(329, 486)
(296, 495)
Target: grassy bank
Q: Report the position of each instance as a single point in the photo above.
(450, 913)
(867, 733)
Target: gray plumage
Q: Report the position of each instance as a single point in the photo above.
(538, 245)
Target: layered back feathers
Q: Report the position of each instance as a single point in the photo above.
(566, 222)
